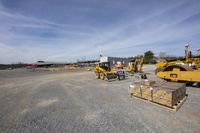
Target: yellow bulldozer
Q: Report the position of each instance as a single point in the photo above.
(187, 70)
(103, 71)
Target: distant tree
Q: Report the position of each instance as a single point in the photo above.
(170, 58)
(148, 56)
(140, 56)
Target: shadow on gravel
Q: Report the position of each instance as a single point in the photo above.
(196, 85)
(113, 80)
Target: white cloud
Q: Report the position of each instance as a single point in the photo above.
(9, 54)
(72, 41)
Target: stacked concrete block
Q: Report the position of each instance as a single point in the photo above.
(165, 93)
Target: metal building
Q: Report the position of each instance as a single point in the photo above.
(115, 60)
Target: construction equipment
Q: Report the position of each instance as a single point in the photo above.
(135, 67)
(31, 66)
(187, 70)
(135, 64)
(103, 70)
(119, 65)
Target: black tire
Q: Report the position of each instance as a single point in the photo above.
(97, 75)
(122, 77)
(102, 76)
(143, 76)
(118, 77)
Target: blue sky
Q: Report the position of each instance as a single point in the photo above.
(67, 30)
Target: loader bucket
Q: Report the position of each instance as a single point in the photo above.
(111, 76)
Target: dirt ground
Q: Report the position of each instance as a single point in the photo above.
(42, 101)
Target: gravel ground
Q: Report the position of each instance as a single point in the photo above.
(77, 102)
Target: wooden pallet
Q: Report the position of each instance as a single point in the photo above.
(174, 108)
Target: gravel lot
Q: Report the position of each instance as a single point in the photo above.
(38, 101)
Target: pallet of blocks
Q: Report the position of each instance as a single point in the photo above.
(168, 94)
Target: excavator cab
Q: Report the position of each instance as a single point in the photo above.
(135, 65)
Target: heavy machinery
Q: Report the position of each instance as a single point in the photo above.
(103, 71)
(135, 67)
(119, 65)
(135, 64)
(187, 70)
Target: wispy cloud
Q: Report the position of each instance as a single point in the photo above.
(9, 54)
(70, 30)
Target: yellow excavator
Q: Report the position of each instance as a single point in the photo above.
(135, 67)
(187, 70)
(103, 71)
(135, 64)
